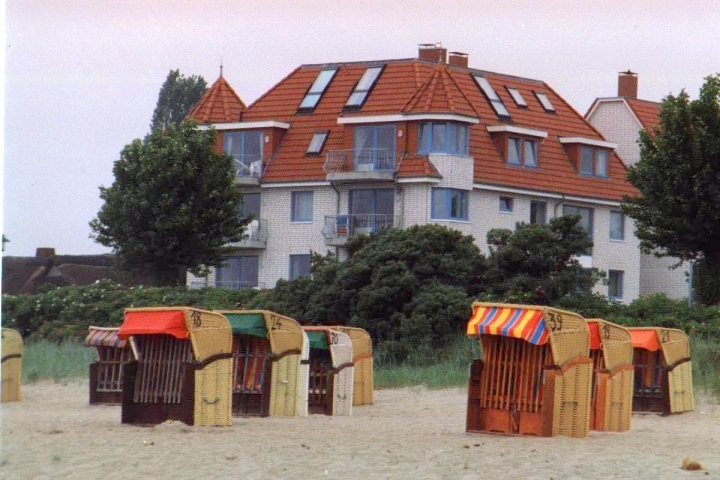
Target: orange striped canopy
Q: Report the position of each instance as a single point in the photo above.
(154, 322)
(527, 324)
(647, 339)
(104, 337)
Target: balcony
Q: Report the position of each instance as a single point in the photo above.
(231, 285)
(256, 235)
(338, 229)
(362, 164)
(248, 169)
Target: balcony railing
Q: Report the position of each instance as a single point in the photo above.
(255, 235)
(360, 160)
(226, 285)
(341, 227)
(248, 166)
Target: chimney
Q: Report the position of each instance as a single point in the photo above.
(45, 252)
(458, 58)
(433, 52)
(628, 84)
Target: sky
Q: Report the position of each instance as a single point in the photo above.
(81, 79)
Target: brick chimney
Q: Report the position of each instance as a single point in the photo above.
(45, 252)
(458, 58)
(433, 52)
(628, 84)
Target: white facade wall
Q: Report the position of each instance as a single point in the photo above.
(618, 124)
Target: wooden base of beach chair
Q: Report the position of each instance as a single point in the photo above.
(154, 413)
(320, 393)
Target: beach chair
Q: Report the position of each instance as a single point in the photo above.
(106, 374)
(12, 350)
(612, 382)
(363, 363)
(331, 371)
(663, 371)
(535, 373)
(183, 369)
(267, 359)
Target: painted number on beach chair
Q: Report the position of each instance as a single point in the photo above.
(555, 321)
(606, 332)
(196, 318)
(664, 336)
(334, 340)
(276, 323)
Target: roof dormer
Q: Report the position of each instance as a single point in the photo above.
(589, 156)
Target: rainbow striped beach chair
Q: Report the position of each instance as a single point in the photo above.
(535, 373)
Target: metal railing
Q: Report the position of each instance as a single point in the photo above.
(360, 160)
(343, 226)
(255, 231)
(227, 285)
(248, 166)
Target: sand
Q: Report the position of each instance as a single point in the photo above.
(408, 434)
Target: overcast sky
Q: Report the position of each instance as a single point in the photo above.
(82, 78)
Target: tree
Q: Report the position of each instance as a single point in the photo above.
(178, 95)
(172, 207)
(678, 178)
(536, 264)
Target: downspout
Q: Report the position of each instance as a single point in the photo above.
(337, 213)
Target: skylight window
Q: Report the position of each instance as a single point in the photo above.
(545, 102)
(317, 142)
(519, 100)
(358, 96)
(492, 96)
(312, 97)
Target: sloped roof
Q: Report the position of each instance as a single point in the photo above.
(220, 104)
(647, 112)
(417, 86)
(415, 165)
(440, 94)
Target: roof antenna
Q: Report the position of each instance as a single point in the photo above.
(221, 66)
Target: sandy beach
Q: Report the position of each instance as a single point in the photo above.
(409, 433)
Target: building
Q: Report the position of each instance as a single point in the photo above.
(620, 119)
(341, 149)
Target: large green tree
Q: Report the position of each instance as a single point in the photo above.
(677, 213)
(537, 263)
(172, 207)
(178, 95)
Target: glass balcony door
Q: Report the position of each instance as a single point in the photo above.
(371, 209)
(374, 148)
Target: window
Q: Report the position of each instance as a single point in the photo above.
(443, 138)
(617, 225)
(545, 102)
(585, 222)
(515, 94)
(302, 207)
(250, 205)
(317, 142)
(506, 204)
(299, 266)
(491, 96)
(538, 212)
(374, 148)
(449, 204)
(246, 149)
(593, 161)
(615, 284)
(371, 209)
(238, 273)
(312, 97)
(359, 95)
(522, 152)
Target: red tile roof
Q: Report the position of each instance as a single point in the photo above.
(420, 86)
(647, 112)
(220, 104)
(416, 165)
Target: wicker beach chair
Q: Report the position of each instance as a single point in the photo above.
(12, 350)
(267, 359)
(612, 381)
(106, 374)
(183, 369)
(363, 363)
(535, 374)
(663, 371)
(331, 371)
